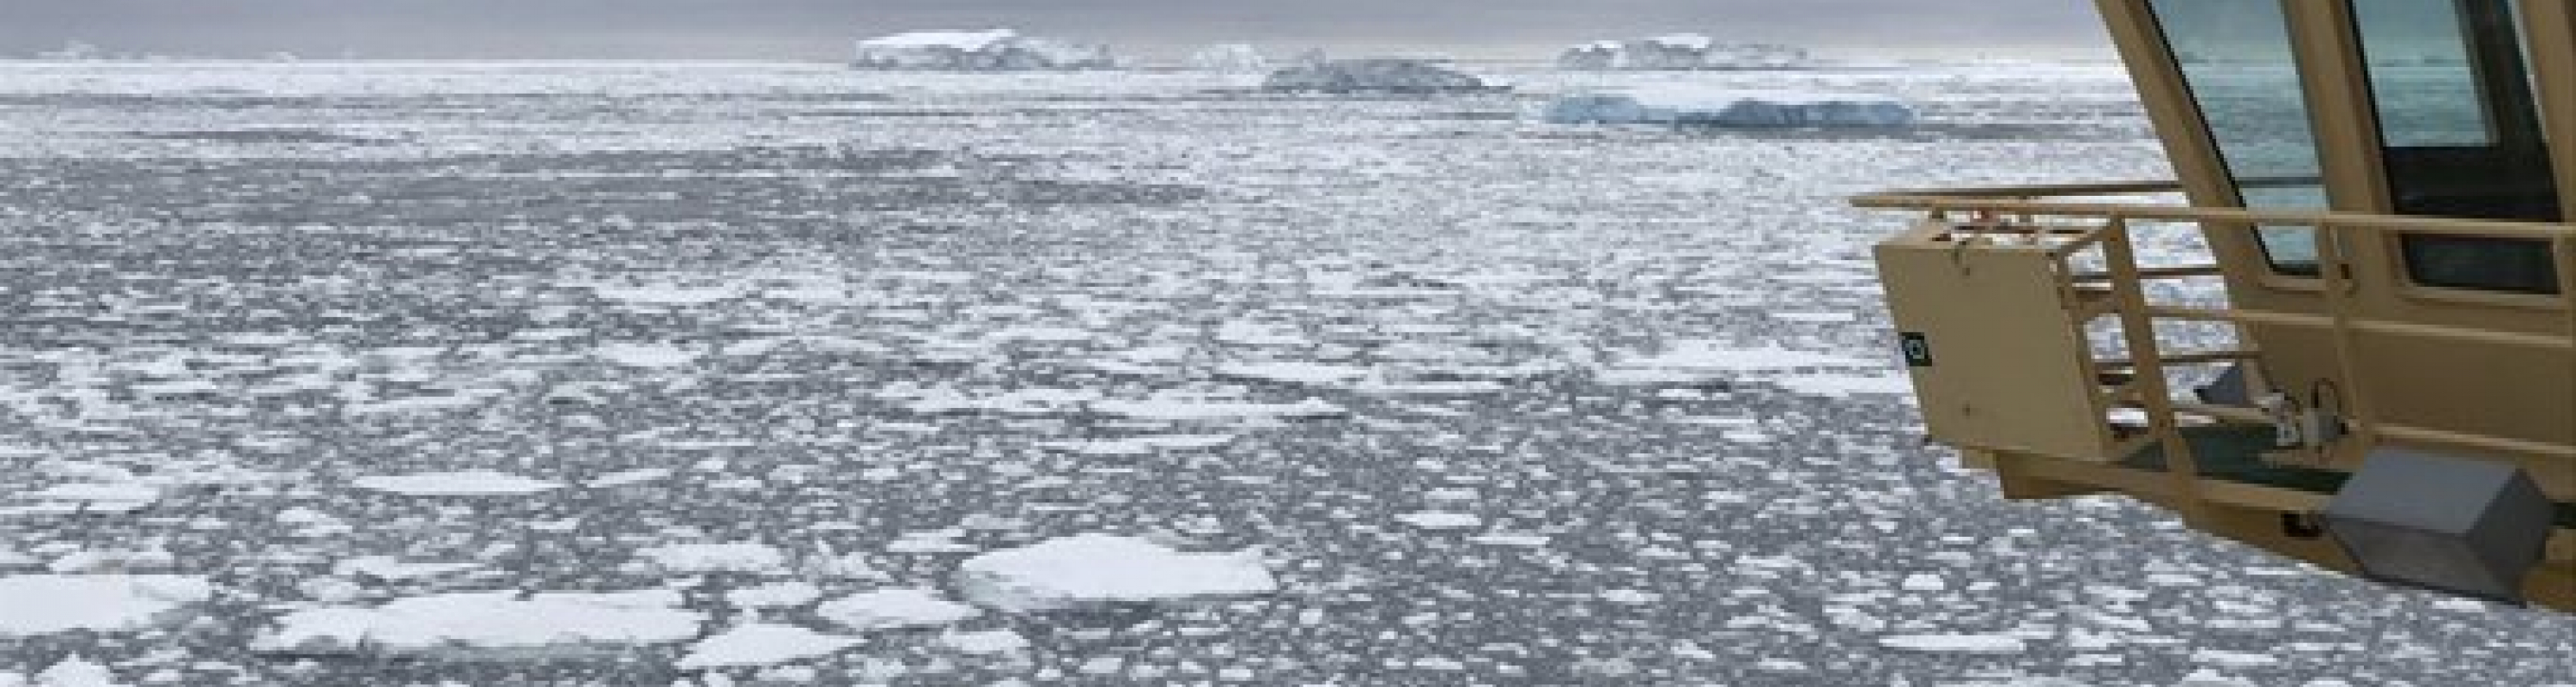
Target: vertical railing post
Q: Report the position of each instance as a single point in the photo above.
(2337, 276)
(2565, 257)
(2182, 465)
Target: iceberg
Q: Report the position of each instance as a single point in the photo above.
(997, 50)
(1682, 52)
(1382, 76)
(1230, 58)
(1684, 104)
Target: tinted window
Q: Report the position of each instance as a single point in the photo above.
(2235, 57)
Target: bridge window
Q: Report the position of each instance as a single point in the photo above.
(2460, 136)
(2235, 57)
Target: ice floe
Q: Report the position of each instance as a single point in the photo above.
(47, 604)
(1955, 644)
(894, 608)
(490, 621)
(762, 644)
(739, 557)
(468, 483)
(1097, 569)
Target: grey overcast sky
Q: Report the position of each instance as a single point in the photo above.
(821, 29)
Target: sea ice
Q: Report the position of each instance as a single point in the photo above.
(1954, 644)
(469, 483)
(892, 608)
(47, 604)
(490, 621)
(1094, 569)
(690, 559)
(764, 644)
(1700, 105)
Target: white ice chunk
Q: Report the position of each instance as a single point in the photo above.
(47, 604)
(892, 608)
(691, 559)
(1094, 569)
(469, 483)
(1955, 644)
(764, 644)
(498, 620)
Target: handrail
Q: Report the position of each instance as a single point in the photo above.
(2109, 224)
(2021, 200)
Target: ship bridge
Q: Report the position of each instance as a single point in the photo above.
(2376, 193)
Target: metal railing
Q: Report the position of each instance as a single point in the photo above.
(2046, 210)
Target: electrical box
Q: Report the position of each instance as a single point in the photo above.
(1993, 334)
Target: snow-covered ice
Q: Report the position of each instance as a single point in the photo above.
(894, 608)
(762, 644)
(735, 557)
(467, 483)
(1098, 569)
(47, 604)
(490, 621)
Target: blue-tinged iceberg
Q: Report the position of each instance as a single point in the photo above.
(1379, 76)
(1694, 105)
(997, 50)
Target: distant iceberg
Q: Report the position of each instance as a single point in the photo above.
(1384, 76)
(1230, 58)
(997, 50)
(1691, 105)
(1682, 52)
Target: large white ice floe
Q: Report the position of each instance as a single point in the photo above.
(895, 608)
(1682, 52)
(762, 644)
(1691, 362)
(1702, 105)
(691, 559)
(468, 483)
(46, 604)
(1097, 569)
(494, 621)
(1955, 644)
(73, 671)
(1373, 76)
(996, 50)
(1185, 409)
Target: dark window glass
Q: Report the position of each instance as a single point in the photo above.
(2489, 264)
(2460, 135)
(2235, 57)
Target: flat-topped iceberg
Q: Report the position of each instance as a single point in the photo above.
(1378, 76)
(1682, 52)
(997, 50)
(1230, 58)
(1697, 105)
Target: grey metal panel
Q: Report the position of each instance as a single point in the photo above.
(2449, 523)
